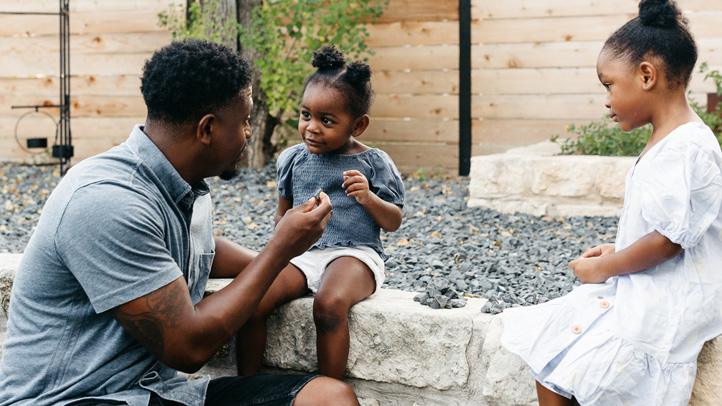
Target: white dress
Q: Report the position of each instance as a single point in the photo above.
(634, 340)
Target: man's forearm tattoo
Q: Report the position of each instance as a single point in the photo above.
(165, 308)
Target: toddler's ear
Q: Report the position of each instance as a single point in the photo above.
(360, 125)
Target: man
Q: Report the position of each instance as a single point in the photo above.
(108, 300)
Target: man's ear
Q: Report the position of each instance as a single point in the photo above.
(360, 125)
(648, 74)
(205, 129)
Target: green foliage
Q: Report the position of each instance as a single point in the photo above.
(712, 74)
(604, 137)
(286, 32)
(713, 119)
(436, 171)
(201, 22)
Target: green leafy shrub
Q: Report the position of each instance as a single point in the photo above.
(287, 32)
(284, 33)
(604, 137)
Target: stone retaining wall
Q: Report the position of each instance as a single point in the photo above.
(538, 181)
(406, 354)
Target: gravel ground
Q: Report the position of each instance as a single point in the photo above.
(443, 250)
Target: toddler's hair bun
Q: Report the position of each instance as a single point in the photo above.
(659, 13)
(358, 72)
(328, 57)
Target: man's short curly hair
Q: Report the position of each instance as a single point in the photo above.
(187, 79)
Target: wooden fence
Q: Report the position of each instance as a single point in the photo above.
(533, 71)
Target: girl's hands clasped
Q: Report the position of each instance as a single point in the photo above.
(589, 268)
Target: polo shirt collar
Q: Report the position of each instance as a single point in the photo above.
(168, 176)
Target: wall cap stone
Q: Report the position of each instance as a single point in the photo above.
(406, 354)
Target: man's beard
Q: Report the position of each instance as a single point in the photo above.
(230, 174)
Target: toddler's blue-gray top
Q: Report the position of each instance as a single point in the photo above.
(300, 173)
(117, 227)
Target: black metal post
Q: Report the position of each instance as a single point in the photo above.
(63, 150)
(62, 147)
(464, 87)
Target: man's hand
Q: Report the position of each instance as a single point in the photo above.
(302, 226)
(183, 335)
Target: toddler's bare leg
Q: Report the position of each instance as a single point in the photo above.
(346, 282)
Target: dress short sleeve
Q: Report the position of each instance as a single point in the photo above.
(284, 170)
(111, 239)
(682, 192)
(385, 180)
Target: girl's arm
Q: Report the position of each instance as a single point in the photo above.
(648, 251)
(283, 206)
(386, 215)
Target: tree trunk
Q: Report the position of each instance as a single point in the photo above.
(224, 10)
(260, 148)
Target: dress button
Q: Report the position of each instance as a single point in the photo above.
(576, 330)
(604, 304)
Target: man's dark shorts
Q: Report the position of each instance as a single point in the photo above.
(261, 390)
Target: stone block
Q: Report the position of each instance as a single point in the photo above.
(507, 380)
(536, 181)
(531, 206)
(708, 384)
(494, 175)
(611, 175)
(412, 345)
(564, 176)
(406, 354)
(584, 209)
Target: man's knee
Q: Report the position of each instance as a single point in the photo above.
(326, 391)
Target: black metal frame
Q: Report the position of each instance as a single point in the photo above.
(464, 87)
(63, 147)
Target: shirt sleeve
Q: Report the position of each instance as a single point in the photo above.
(284, 172)
(111, 239)
(385, 180)
(682, 193)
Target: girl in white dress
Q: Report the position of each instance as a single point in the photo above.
(631, 334)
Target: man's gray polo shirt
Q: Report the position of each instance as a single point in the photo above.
(118, 226)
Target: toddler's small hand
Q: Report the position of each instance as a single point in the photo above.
(357, 186)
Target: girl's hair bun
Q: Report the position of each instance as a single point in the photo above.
(327, 58)
(358, 72)
(659, 13)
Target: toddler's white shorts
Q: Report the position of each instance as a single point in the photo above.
(313, 263)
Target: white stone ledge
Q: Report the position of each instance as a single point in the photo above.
(536, 180)
(403, 353)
